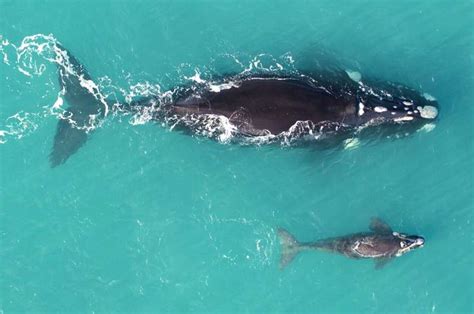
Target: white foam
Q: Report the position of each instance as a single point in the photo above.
(94, 90)
(31, 58)
(289, 57)
(144, 116)
(228, 130)
(427, 128)
(351, 143)
(19, 125)
(215, 88)
(58, 103)
(3, 133)
(24, 72)
(207, 125)
(141, 89)
(4, 43)
(196, 77)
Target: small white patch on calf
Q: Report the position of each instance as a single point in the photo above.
(361, 109)
(405, 118)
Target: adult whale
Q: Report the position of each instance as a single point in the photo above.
(248, 108)
(381, 244)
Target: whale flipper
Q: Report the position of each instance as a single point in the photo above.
(290, 247)
(377, 225)
(85, 105)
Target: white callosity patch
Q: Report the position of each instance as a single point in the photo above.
(428, 112)
(402, 119)
(361, 109)
(380, 109)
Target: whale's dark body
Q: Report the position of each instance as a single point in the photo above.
(380, 244)
(271, 104)
(251, 107)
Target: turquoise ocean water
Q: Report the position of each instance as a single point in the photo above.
(145, 219)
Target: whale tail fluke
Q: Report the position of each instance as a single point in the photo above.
(67, 141)
(86, 106)
(290, 247)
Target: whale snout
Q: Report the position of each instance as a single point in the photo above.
(407, 108)
(428, 112)
(419, 242)
(409, 242)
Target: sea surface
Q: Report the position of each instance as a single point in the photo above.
(146, 219)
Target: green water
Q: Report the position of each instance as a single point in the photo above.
(145, 219)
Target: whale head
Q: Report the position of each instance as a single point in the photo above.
(399, 109)
(395, 111)
(408, 242)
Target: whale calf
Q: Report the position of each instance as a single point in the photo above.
(381, 244)
(255, 109)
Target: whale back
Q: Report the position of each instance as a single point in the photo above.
(272, 104)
